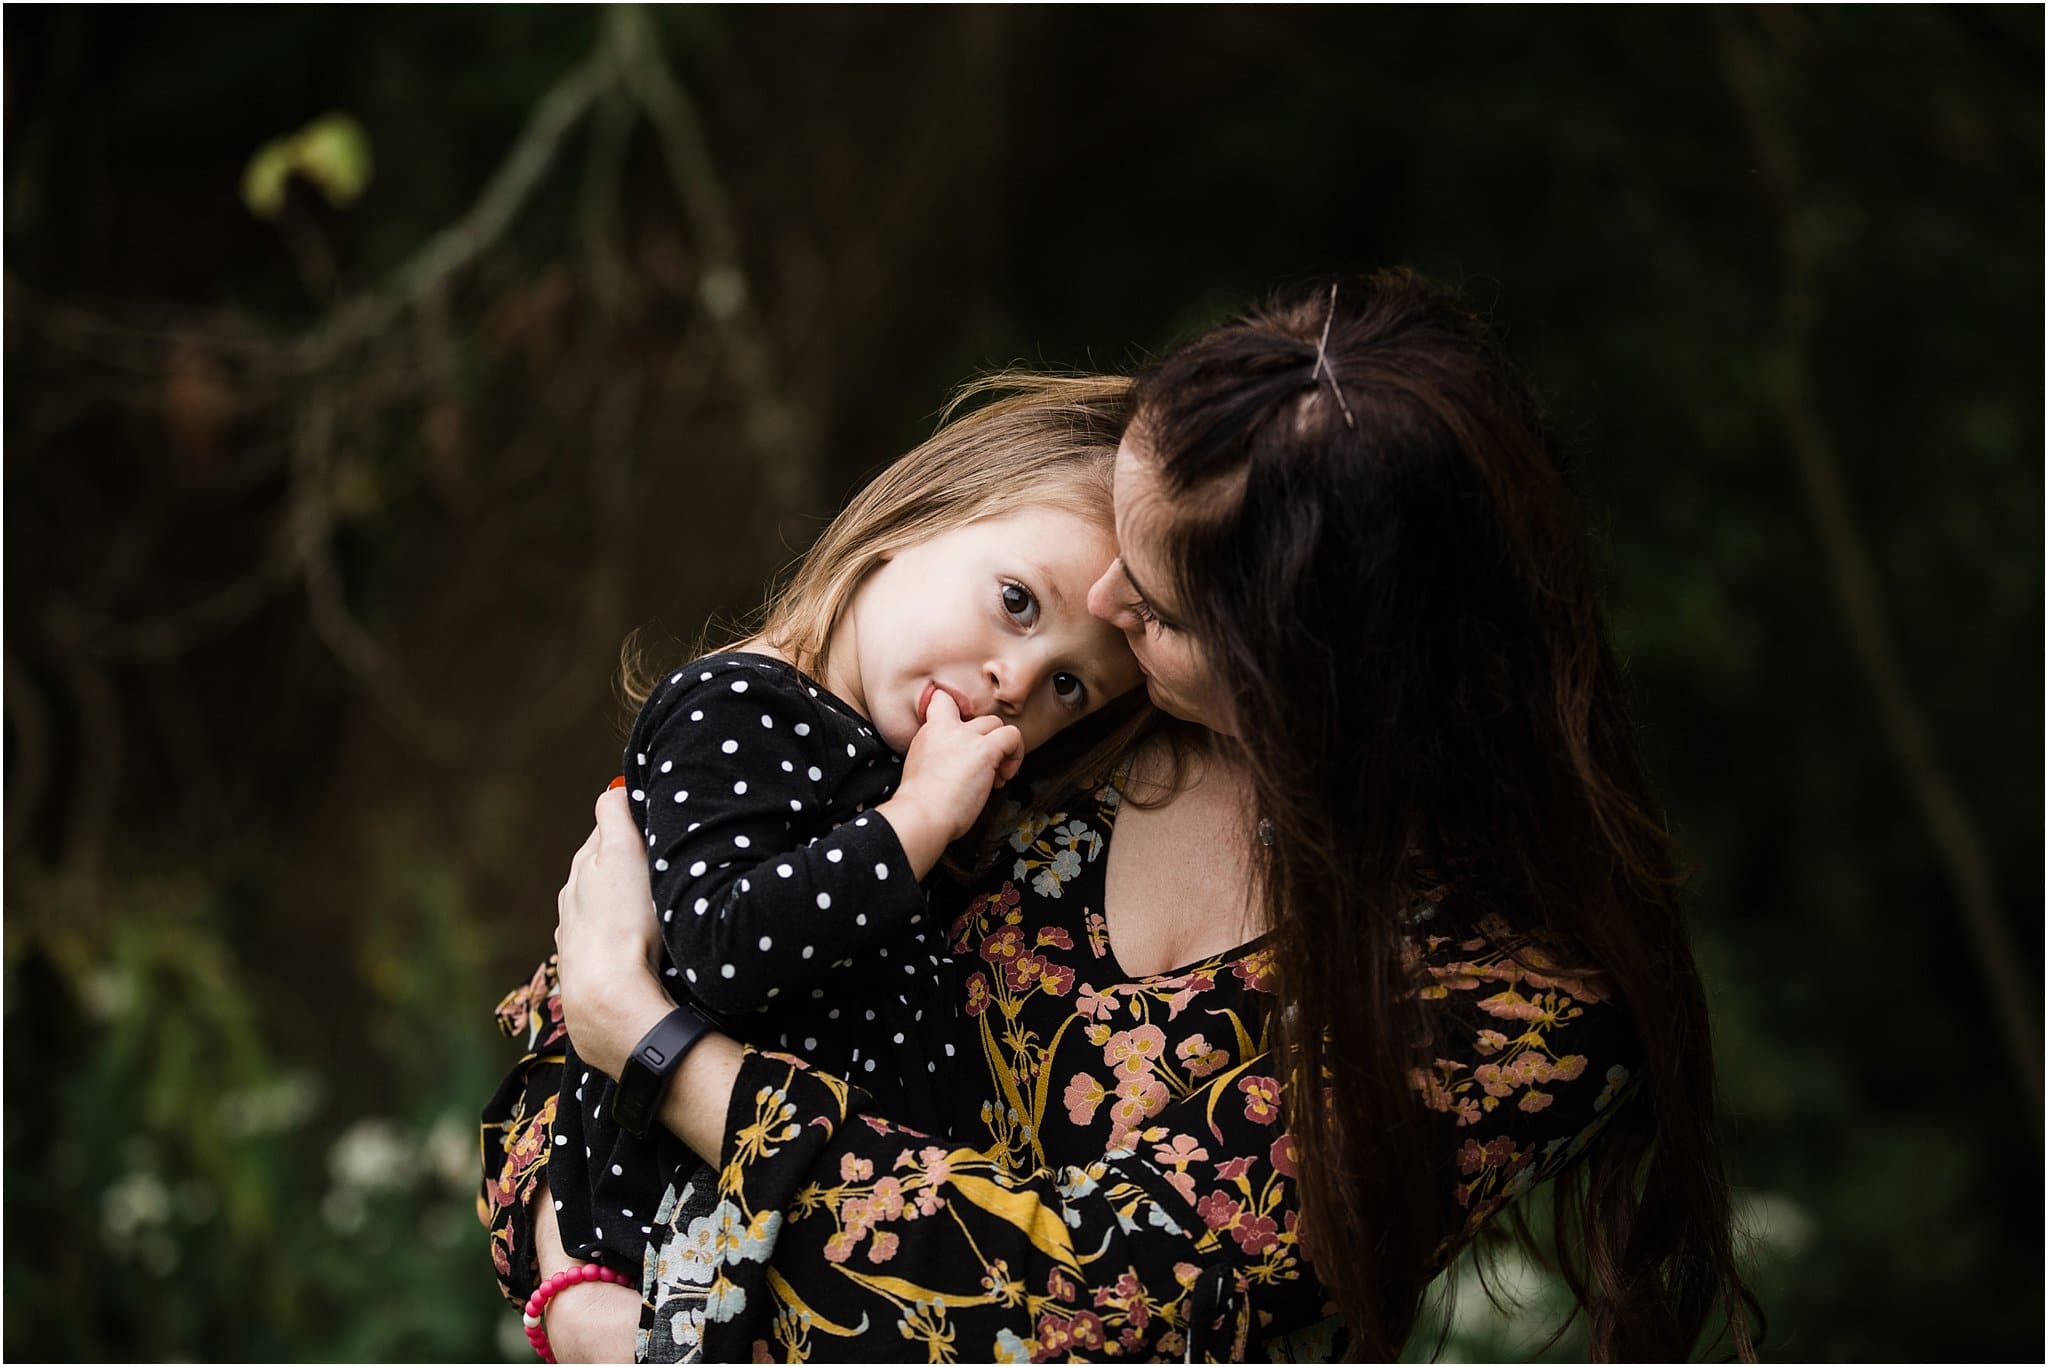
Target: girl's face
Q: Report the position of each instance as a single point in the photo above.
(994, 613)
(1176, 673)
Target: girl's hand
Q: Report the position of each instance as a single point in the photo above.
(607, 941)
(952, 767)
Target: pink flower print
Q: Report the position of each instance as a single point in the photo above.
(888, 1198)
(840, 1247)
(1055, 935)
(1534, 1101)
(1137, 1097)
(1092, 1005)
(1261, 1099)
(1254, 1233)
(1453, 978)
(857, 1214)
(883, 1247)
(1491, 1041)
(1230, 1169)
(854, 1168)
(1568, 1068)
(1200, 1057)
(1511, 1005)
(929, 1202)
(1087, 1330)
(1435, 1095)
(1281, 1155)
(977, 994)
(1098, 934)
(1056, 979)
(1184, 1183)
(1217, 1209)
(1132, 1051)
(1494, 1079)
(938, 1164)
(1082, 1096)
(1181, 1151)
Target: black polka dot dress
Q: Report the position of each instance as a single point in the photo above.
(788, 913)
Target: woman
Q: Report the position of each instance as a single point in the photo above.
(1384, 936)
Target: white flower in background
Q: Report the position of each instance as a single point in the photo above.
(371, 1155)
(273, 1107)
(137, 1203)
(106, 993)
(451, 1151)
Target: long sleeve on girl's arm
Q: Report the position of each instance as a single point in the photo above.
(767, 865)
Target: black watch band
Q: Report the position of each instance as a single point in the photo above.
(649, 1067)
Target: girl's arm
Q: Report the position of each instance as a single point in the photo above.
(729, 766)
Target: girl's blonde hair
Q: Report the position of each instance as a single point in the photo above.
(1005, 441)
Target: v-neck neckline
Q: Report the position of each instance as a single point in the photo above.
(1107, 813)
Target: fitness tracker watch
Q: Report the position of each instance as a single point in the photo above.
(649, 1067)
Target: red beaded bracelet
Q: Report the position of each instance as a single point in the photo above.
(536, 1330)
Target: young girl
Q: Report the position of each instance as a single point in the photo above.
(797, 789)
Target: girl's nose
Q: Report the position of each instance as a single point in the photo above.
(1010, 682)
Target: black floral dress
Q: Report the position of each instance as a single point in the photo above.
(1118, 1182)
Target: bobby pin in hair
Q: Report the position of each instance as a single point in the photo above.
(1322, 366)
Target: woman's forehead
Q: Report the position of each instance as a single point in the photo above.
(1139, 495)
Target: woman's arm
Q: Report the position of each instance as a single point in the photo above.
(590, 1322)
(872, 1229)
(606, 946)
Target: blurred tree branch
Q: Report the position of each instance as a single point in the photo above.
(309, 412)
(1905, 727)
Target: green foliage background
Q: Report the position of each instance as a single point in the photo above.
(324, 525)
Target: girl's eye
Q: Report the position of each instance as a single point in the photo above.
(1069, 689)
(1142, 610)
(1020, 604)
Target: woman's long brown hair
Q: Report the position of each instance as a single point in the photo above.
(1382, 555)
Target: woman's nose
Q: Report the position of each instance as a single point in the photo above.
(1102, 599)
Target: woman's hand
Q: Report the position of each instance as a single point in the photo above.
(607, 946)
(607, 941)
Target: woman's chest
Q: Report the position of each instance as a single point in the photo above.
(1082, 1057)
